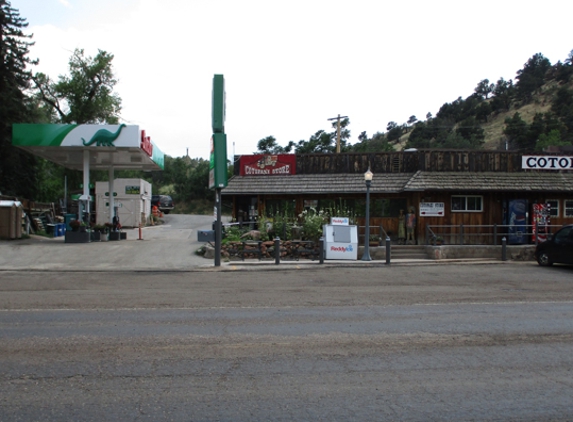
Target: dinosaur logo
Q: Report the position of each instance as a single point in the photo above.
(104, 138)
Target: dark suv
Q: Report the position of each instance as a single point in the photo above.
(163, 202)
(558, 249)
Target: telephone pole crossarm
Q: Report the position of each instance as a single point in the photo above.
(338, 130)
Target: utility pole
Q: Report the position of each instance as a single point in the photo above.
(338, 131)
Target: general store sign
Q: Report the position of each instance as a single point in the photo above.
(268, 165)
(546, 162)
(432, 209)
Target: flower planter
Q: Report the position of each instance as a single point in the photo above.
(76, 237)
(117, 236)
(98, 236)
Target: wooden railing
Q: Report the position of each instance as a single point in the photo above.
(486, 234)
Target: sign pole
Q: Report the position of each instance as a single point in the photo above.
(218, 159)
(218, 234)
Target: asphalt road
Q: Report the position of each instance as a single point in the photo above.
(449, 342)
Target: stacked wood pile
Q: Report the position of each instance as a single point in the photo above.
(38, 215)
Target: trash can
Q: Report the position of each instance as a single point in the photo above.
(51, 230)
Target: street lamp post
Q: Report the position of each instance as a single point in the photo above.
(368, 179)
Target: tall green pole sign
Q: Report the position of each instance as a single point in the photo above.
(218, 158)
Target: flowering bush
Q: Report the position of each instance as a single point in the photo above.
(312, 222)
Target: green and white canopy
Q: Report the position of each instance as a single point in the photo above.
(108, 146)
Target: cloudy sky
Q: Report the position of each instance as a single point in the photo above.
(291, 65)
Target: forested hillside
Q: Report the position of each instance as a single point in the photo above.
(527, 114)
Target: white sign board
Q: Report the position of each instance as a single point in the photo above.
(546, 162)
(432, 209)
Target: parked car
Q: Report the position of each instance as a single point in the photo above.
(163, 202)
(558, 249)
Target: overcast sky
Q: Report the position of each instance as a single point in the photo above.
(291, 65)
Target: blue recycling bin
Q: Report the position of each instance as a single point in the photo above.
(60, 229)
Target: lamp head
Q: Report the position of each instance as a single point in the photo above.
(368, 175)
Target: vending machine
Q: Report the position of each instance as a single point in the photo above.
(516, 217)
(540, 221)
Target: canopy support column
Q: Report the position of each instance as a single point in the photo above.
(111, 175)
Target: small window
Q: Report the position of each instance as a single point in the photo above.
(568, 208)
(467, 203)
(553, 207)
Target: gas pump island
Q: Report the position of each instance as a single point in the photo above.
(91, 147)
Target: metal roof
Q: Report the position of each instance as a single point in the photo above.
(101, 158)
(109, 146)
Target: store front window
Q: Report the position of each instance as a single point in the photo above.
(388, 208)
(568, 208)
(467, 203)
(553, 207)
(283, 207)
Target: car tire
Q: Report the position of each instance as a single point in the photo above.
(543, 260)
(166, 211)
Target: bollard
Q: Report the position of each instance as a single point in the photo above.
(388, 247)
(321, 251)
(277, 250)
(140, 236)
(503, 249)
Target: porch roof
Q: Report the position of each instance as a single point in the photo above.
(401, 182)
(315, 184)
(492, 181)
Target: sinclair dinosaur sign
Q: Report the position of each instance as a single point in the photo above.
(127, 143)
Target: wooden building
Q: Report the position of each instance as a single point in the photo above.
(447, 189)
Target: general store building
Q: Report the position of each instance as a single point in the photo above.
(460, 189)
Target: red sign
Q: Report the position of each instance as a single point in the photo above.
(146, 144)
(268, 165)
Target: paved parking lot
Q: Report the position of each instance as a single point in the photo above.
(170, 246)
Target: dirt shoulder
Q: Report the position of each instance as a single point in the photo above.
(315, 286)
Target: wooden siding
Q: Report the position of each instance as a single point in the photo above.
(408, 162)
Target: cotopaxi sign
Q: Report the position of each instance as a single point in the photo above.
(546, 162)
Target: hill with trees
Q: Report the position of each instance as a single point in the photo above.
(529, 114)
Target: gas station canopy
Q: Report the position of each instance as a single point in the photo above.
(110, 146)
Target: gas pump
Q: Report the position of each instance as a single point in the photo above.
(84, 209)
(115, 219)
